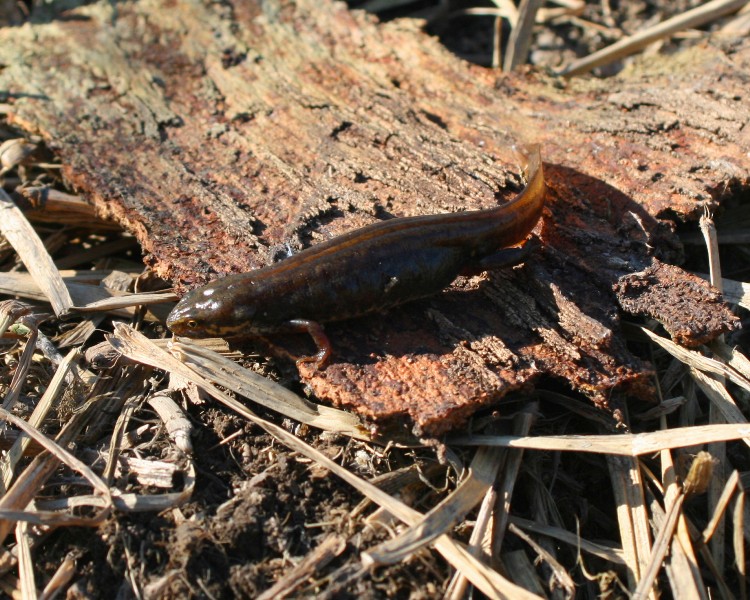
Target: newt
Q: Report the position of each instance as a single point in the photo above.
(370, 269)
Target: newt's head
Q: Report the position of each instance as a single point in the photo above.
(210, 311)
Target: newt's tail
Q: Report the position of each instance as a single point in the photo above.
(527, 206)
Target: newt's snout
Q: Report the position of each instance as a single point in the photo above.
(198, 314)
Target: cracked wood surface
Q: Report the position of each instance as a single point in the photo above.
(225, 135)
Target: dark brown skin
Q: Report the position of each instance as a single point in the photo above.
(370, 269)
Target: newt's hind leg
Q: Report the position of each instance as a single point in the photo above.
(506, 257)
(317, 333)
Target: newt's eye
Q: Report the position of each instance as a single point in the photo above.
(191, 323)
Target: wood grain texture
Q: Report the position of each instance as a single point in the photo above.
(224, 135)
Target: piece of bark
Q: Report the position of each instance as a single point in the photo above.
(690, 309)
(225, 135)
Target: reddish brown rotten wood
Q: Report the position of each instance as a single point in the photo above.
(690, 309)
(223, 134)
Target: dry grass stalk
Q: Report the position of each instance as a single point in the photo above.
(508, 9)
(682, 567)
(478, 545)
(695, 483)
(721, 506)
(60, 580)
(402, 481)
(519, 43)
(25, 563)
(524, 573)
(56, 387)
(609, 553)
(738, 520)
(19, 375)
(441, 519)
(205, 367)
(560, 573)
(502, 10)
(717, 450)
(47, 348)
(722, 407)
(52, 518)
(147, 472)
(632, 516)
(88, 298)
(22, 236)
(626, 444)
(733, 357)
(522, 427)
(672, 551)
(126, 300)
(697, 361)
(115, 444)
(692, 18)
(489, 528)
(57, 451)
(178, 426)
(664, 408)
(739, 26)
(131, 502)
(566, 8)
(26, 485)
(719, 396)
(708, 229)
(723, 588)
(25, 282)
(497, 39)
(325, 552)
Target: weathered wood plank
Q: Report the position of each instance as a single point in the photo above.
(221, 136)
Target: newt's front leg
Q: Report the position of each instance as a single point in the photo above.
(317, 333)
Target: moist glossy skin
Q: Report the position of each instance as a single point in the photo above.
(369, 269)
